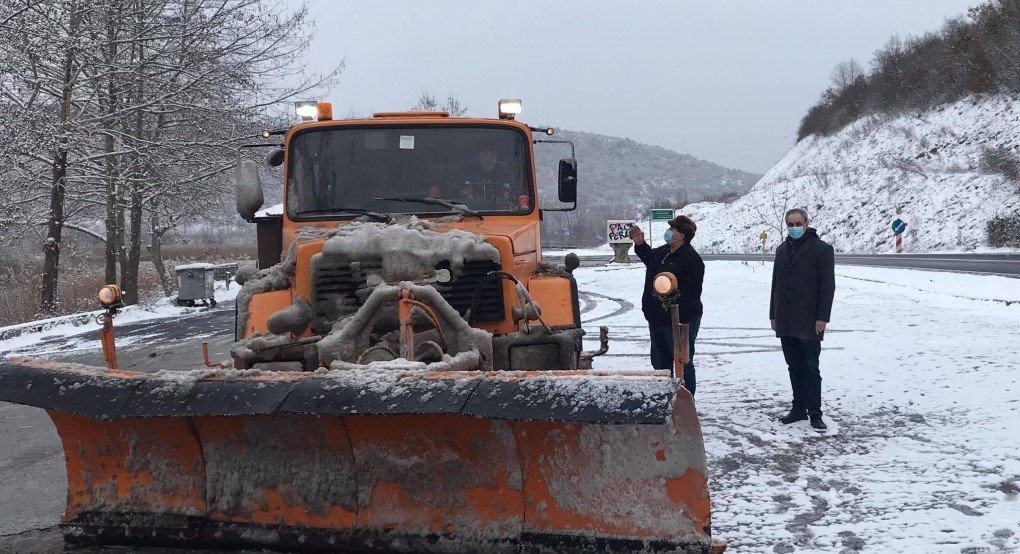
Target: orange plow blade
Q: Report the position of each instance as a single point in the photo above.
(407, 462)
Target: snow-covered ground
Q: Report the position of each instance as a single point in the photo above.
(926, 165)
(919, 390)
(23, 336)
(920, 394)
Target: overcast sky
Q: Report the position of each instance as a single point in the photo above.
(722, 80)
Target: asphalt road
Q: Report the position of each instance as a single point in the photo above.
(988, 264)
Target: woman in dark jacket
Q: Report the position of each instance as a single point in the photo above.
(678, 257)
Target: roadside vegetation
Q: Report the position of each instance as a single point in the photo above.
(122, 121)
(83, 276)
(974, 54)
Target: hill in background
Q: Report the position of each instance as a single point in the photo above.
(620, 179)
(928, 135)
(946, 171)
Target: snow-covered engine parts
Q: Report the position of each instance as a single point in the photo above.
(358, 258)
(406, 327)
(353, 306)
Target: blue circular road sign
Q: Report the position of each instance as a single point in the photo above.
(898, 226)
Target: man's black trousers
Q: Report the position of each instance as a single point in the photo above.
(802, 360)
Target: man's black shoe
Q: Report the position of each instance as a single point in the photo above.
(794, 415)
(817, 423)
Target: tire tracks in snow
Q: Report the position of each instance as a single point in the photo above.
(590, 301)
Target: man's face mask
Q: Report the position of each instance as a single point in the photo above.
(668, 236)
(796, 232)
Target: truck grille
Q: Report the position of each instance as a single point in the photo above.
(338, 290)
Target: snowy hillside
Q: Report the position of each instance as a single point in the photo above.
(928, 165)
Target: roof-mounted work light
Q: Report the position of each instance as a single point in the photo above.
(306, 109)
(509, 108)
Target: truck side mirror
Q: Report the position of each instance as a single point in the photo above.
(248, 189)
(275, 158)
(568, 180)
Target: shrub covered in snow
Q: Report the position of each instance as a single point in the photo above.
(1004, 231)
(1001, 160)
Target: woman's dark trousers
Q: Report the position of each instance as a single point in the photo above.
(662, 351)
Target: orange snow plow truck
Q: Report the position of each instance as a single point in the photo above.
(407, 376)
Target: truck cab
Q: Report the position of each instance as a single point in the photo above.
(473, 175)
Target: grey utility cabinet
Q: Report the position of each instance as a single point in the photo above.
(196, 283)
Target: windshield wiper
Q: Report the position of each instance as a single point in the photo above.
(375, 215)
(438, 202)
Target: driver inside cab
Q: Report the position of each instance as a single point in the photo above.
(485, 177)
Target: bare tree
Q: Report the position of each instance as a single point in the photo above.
(224, 69)
(453, 106)
(845, 74)
(122, 108)
(427, 102)
(42, 54)
(772, 210)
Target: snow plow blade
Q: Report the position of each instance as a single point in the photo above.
(552, 461)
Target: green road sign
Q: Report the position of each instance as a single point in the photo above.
(662, 215)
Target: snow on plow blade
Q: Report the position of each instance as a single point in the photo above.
(554, 461)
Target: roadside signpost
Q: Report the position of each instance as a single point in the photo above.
(763, 236)
(658, 214)
(618, 233)
(898, 226)
(663, 214)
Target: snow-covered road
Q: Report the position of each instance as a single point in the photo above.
(920, 390)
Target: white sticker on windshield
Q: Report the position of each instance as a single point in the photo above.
(407, 142)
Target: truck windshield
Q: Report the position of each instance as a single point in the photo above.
(486, 170)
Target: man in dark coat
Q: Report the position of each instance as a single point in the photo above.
(803, 285)
(678, 257)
